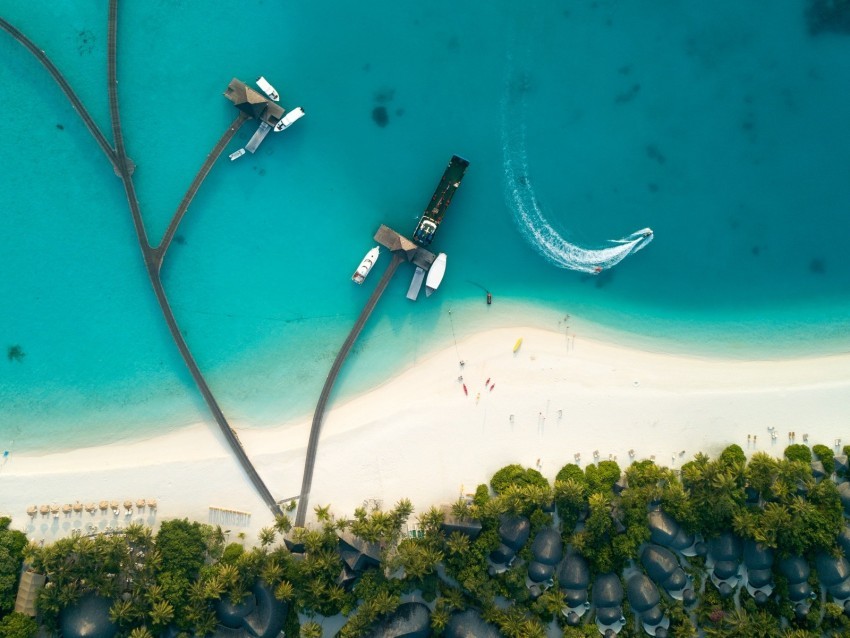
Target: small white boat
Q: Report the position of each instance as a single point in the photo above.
(235, 155)
(365, 266)
(435, 274)
(268, 89)
(289, 119)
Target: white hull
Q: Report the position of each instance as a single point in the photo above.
(268, 89)
(435, 274)
(365, 266)
(289, 119)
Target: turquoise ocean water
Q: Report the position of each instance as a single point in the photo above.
(723, 128)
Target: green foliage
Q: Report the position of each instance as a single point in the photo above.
(571, 499)
(517, 476)
(17, 625)
(601, 477)
(311, 629)
(482, 495)
(798, 452)
(12, 543)
(733, 454)
(825, 456)
(379, 526)
(571, 471)
(232, 553)
(183, 547)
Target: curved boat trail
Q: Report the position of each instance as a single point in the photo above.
(532, 223)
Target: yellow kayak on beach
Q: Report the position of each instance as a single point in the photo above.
(517, 344)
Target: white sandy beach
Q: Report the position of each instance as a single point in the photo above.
(419, 436)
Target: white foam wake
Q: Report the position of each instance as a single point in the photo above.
(534, 226)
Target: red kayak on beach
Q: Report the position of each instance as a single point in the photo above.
(465, 391)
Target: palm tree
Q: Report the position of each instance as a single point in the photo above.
(267, 536)
(161, 613)
(284, 591)
(122, 612)
(323, 513)
(282, 523)
(311, 629)
(206, 624)
(141, 632)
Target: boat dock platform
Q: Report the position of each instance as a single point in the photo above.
(440, 200)
(396, 242)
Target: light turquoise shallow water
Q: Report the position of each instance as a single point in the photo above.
(723, 130)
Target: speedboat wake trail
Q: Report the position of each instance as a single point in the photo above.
(534, 226)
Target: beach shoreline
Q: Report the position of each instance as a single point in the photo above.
(419, 436)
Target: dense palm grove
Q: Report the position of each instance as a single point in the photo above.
(168, 583)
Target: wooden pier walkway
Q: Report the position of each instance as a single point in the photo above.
(319, 414)
(99, 137)
(153, 257)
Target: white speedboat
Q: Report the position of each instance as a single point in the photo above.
(235, 155)
(435, 274)
(268, 89)
(289, 119)
(365, 266)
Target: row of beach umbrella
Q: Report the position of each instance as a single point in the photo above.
(78, 507)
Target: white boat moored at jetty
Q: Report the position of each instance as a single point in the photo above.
(289, 119)
(235, 155)
(268, 89)
(366, 265)
(435, 274)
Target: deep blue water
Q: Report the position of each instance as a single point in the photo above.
(724, 130)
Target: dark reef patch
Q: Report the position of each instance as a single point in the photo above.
(60, 127)
(653, 187)
(628, 95)
(85, 42)
(755, 251)
(380, 116)
(828, 16)
(653, 153)
(180, 239)
(817, 266)
(15, 353)
(382, 96)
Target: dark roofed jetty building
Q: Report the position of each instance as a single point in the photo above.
(723, 563)
(665, 531)
(758, 575)
(834, 573)
(796, 570)
(513, 533)
(661, 565)
(546, 551)
(28, 589)
(252, 103)
(573, 579)
(645, 601)
(608, 600)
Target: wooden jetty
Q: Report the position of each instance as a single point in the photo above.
(153, 257)
(402, 249)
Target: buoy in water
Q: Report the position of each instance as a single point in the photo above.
(489, 298)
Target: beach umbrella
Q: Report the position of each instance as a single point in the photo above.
(54, 508)
(32, 510)
(104, 505)
(128, 505)
(91, 507)
(113, 505)
(44, 509)
(66, 508)
(78, 507)
(140, 503)
(152, 503)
